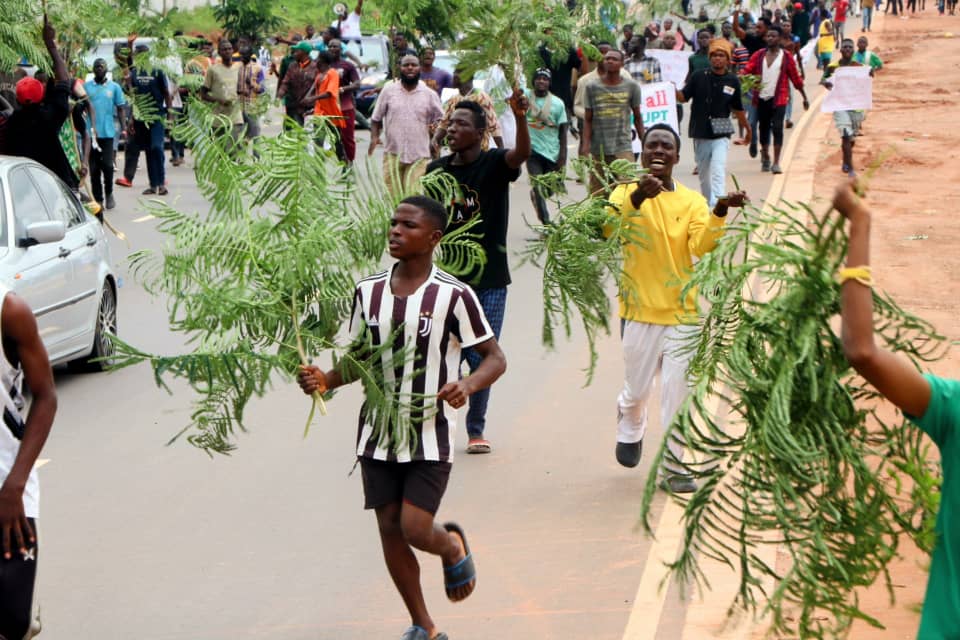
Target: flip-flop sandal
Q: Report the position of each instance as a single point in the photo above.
(478, 445)
(462, 573)
(419, 633)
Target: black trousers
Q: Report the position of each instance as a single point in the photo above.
(538, 165)
(101, 169)
(17, 577)
(770, 119)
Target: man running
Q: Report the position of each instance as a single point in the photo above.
(676, 225)
(847, 122)
(484, 178)
(404, 478)
(23, 359)
(777, 70)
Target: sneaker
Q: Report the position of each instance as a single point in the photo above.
(111, 203)
(123, 182)
(753, 149)
(678, 483)
(775, 168)
(628, 453)
(765, 164)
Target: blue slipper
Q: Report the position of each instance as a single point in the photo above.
(419, 633)
(463, 572)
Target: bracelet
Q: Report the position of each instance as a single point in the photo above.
(862, 274)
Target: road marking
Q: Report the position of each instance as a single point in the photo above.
(144, 218)
(654, 582)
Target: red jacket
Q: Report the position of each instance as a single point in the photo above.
(788, 73)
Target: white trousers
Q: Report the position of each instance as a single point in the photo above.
(649, 349)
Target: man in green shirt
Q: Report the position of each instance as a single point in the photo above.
(932, 403)
(547, 120)
(220, 87)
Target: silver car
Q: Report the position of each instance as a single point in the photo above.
(54, 254)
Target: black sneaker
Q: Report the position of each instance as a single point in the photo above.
(753, 149)
(628, 453)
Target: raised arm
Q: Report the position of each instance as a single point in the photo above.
(893, 376)
(60, 73)
(521, 151)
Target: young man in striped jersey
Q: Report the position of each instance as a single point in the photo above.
(414, 304)
(23, 358)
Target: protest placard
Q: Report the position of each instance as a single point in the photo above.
(658, 106)
(673, 65)
(852, 90)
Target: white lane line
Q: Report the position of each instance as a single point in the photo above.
(144, 218)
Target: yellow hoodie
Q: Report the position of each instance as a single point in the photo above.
(676, 225)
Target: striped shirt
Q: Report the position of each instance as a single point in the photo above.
(439, 319)
(11, 432)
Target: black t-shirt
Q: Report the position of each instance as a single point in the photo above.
(753, 42)
(485, 192)
(152, 83)
(34, 132)
(712, 96)
(561, 75)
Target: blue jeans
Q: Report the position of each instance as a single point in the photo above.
(155, 160)
(751, 118)
(493, 302)
(867, 17)
(711, 158)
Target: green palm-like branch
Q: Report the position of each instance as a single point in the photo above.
(262, 282)
(795, 460)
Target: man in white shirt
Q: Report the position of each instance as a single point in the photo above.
(348, 24)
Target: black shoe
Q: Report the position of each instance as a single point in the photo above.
(111, 203)
(753, 149)
(628, 453)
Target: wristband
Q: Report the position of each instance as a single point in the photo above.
(861, 274)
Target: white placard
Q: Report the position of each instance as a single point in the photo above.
(658, 105)
(852, 90)
(673, 64)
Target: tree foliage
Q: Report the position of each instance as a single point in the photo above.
(804, 461)
(254, 19)
(263, 281)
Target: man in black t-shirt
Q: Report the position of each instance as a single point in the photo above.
(34, 131)
(715, 93)
(149, 130)
(484, 178)
(752, 41)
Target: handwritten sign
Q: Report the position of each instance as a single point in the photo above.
(852, 90)
(673, 64)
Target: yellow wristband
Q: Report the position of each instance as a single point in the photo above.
(863, 275)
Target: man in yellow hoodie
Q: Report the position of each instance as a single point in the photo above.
(677, 226)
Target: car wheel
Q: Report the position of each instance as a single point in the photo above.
(100, 358)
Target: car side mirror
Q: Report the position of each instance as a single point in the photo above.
(43, 232)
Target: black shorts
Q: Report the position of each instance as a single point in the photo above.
(421, 483)
(17, 577)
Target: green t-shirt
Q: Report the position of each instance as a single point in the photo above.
(941, 607)
(612, 107)
(544, 124)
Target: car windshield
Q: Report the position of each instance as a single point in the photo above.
(370, 51)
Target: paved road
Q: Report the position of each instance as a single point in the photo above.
(147, 541)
